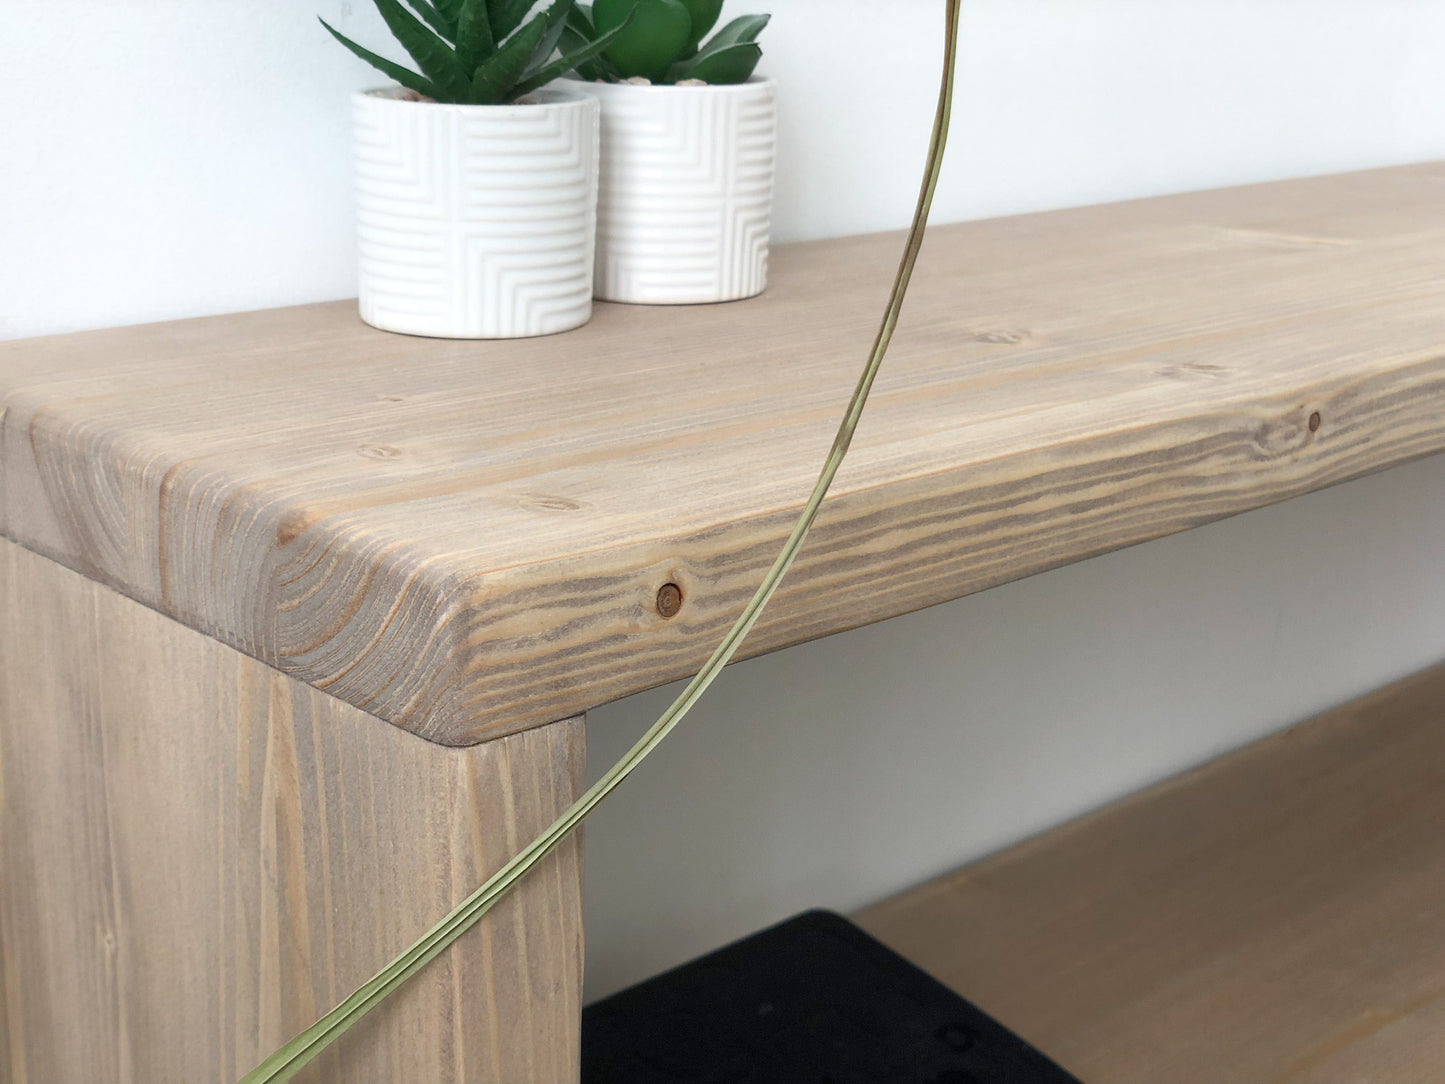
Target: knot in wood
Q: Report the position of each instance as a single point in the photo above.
(537, 502)
(669, 600)
(379, 451)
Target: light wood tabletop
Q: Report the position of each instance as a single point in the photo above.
(469, 539)
(1275, 917)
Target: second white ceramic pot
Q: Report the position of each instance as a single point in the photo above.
(476, 221)
(685, 209)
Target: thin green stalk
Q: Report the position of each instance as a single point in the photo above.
(286, 1062)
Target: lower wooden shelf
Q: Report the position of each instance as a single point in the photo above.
(1277, 915)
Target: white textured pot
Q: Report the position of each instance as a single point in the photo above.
(476, 221)
(685, 210)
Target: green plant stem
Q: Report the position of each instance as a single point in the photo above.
(286, 1062)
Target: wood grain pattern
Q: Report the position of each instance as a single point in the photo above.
(199, 855)
(1277, 916)
(467, 539)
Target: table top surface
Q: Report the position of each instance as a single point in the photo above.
(470, 538)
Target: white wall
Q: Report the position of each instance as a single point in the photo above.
(164, 158)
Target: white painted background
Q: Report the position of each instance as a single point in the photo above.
(163, 158)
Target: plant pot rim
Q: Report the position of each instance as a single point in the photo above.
(550, 95)
(754, 82)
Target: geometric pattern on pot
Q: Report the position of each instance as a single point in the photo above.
(685, 208)
(476, 221)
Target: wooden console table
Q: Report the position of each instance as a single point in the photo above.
(298, 619)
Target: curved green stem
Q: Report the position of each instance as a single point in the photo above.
(286, 1062)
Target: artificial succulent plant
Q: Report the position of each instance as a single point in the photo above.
(661, 41)
(483, 52)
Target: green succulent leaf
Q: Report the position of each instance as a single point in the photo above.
(498, 77)
(579, 34)
(743, 29)
(608, 14)
(451, 10)
(588, 53)
(579, 18)
(445, 27)
(733, 64)
(574, 43)
(657, 36)
(507, 15)
(475, 41)
(556, 17)
(405, 76)
(704, 17)
(433, 56)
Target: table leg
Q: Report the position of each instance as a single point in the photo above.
(199, 855)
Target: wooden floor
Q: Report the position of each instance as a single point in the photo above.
(1276, 916)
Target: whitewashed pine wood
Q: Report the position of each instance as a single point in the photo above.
(468, 539)
(1273, 916)
(199, 856)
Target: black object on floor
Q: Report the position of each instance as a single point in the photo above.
(814, 1000)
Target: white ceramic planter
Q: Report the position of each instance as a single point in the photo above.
(476, 221)
(687, 188)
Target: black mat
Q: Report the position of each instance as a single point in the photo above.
(814, 1000)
